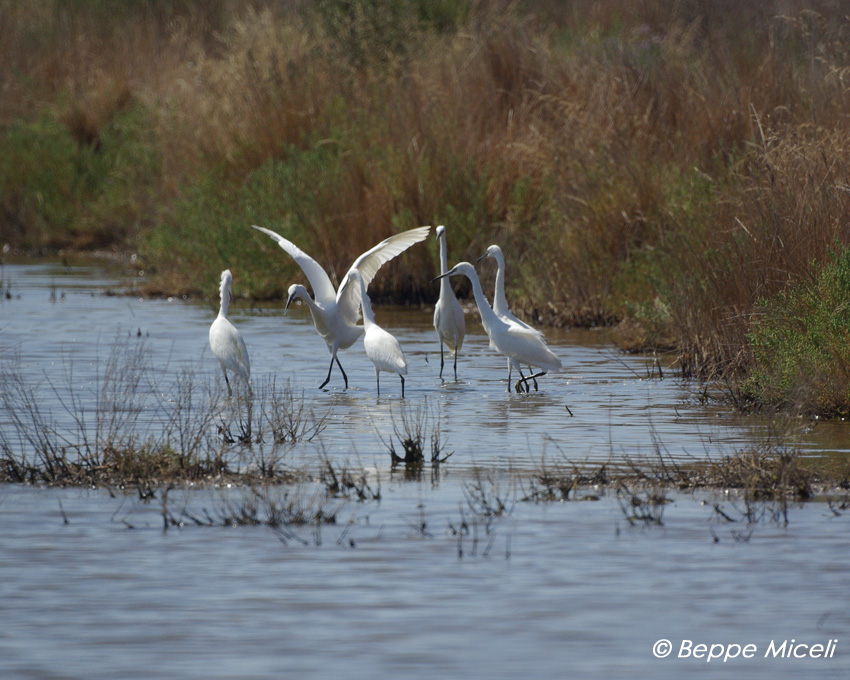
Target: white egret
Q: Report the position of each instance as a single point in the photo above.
(519, 345)
(225, 341)
(381, 347)
(448, 314)
(500, 302)
(335, 313)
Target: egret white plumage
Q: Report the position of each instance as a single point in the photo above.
(226, 343)
(500, 302)
(448, 314)
(381, 347)
(335, 313)
(519, 345)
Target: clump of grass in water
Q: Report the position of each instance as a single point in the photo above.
(99, 440)
(555, 483)
(284, 509)
(415, 433)
(644, 506)
(346, 482)
(289, 417)
(767, 478)
(487, 503)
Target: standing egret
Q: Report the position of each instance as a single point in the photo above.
(448, 314)
(335, 313)
(519, 345)
(500, 302)
(382, 348)
(225, 341)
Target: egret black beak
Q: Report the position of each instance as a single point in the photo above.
(288, 302)
(481, 258)
(442, 276)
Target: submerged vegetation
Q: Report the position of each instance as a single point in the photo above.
(679, 170)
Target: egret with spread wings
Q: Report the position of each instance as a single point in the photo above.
(336, 313)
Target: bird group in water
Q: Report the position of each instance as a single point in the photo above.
(336, 314)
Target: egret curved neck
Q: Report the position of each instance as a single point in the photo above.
(500, 302)
(488, 316)
(445, 284)
(225, 301)
(310, 302)
(366, 303)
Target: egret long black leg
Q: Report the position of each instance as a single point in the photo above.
(229, 389)
(522, 379)
(441, 360)
(328, 379)
(344, 377)
(532, 378)
(509, 375)
(402, 386)
(457, 351)
(378, 380)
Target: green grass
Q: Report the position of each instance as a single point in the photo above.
(209, 228)
(60, 191)
(801, 345)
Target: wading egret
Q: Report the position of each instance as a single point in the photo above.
(335, 313)
(519, 345)
(382, 348)
(500, 302)
(226, 343)
(448, 314)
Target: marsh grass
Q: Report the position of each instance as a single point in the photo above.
(285, 509)
(641, 507)
(799, 342)
(98, 438)
(489, 498)
(758, 483)
(345, 481)
(290, 417)
(131, 425)
(417, 431)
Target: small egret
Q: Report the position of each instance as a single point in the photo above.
(225, 341)
(519, 345)
(382, 348)
(335, 313)
(500, 302)
(448, 314)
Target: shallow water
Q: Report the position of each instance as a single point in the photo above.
(91, 586)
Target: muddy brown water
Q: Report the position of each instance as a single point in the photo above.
(92, 587)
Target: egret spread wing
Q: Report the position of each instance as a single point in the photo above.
(348, 300)
(323, 289)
